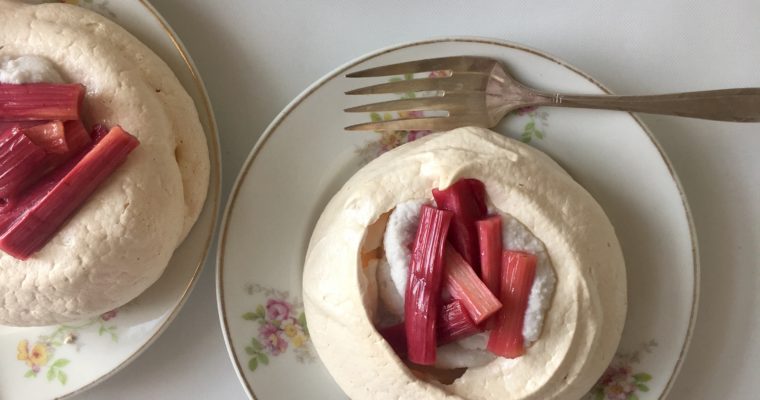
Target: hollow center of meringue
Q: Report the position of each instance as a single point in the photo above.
(392, 270)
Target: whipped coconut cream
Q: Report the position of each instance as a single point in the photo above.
(28, 69)
(393, 269)
(517, 236)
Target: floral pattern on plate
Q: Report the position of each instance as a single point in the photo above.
(41, 355)
(281, 324)
(620, 381)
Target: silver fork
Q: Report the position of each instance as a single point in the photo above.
(478, 91)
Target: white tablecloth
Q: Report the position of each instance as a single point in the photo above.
(255, 56)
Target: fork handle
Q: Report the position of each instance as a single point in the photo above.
(740, 105)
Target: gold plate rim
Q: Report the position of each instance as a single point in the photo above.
(454, 39)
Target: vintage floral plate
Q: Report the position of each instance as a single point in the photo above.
(60, 361)
(305, 156)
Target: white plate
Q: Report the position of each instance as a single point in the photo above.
(305, 156)
(74, 357)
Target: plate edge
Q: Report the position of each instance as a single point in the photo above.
(456, 39)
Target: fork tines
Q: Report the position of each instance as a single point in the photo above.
(453, 64)
(457, 91)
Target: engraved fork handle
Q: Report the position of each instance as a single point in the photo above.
(740, 105)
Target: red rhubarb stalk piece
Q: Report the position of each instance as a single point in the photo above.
(98, 131)
(50, 136)
(40, 101)
(489, 239)
(28, 222)
(454, 323)
(478, 189)
(77, 137)
(464, 285)
(27, 153)
(5, 125)
(423, 289)
(518, 272)
(468, 206)
(21, 162)
(395, 335)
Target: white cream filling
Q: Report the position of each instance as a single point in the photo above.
(28, 69)
(517, 236)
(393, 270)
